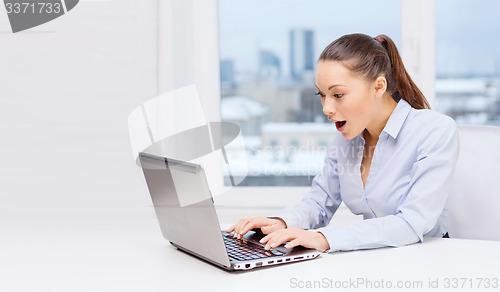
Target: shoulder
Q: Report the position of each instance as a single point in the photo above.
(429, 130)
(426, 116)
(425, 122)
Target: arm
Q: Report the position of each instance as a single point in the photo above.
(420, 209)
(315, 210)
(322, 201)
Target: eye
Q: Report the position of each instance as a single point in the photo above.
(338, 95)
(320, 94)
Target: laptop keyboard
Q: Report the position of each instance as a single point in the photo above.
(242, 250)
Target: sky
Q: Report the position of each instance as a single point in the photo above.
(467, 36)
(466, 30)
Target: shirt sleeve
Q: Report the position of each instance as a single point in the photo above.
(419, 210)
(318, 206)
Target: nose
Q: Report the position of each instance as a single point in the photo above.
(328, 106)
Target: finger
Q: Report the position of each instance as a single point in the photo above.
(265, 238)
(272, 236)
(239, 225)
(245, 227)
(293, 243)
(270, 227)
(230, 229)
(249, 226)
(272, 241)
(254, 223)
(273, 244)
(281, 237)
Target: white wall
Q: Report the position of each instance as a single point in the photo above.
(75, 212)
(189, 50)
(66, 89)
(418, 44)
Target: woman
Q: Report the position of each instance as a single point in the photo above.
(393, 162)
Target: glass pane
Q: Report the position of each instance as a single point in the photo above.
(268, 52)
(468, 60)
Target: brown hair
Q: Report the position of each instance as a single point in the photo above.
(374, 57)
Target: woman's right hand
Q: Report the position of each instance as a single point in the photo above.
(266, 225)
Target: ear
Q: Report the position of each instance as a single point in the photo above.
(380, 86)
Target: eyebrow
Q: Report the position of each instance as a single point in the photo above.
(332, 86)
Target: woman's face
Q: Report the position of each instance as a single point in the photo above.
(347, 99)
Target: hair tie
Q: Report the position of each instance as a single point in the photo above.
(378, 39)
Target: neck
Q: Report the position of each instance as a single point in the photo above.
(372, 132)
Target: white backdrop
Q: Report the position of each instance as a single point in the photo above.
(67, 176)
(66, 89)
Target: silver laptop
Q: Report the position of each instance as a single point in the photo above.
(186, 213)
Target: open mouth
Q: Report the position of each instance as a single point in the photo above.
(340, 124)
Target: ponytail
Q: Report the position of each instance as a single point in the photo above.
(374, 57)
(405, 86)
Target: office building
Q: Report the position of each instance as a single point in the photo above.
(269, 65)
(301, 53)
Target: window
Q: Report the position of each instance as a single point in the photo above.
(268, 53)
(468, 60)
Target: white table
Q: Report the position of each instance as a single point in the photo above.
(121, 255)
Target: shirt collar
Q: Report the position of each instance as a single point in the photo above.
(397, 118)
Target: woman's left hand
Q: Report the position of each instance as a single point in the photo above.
(296, 236)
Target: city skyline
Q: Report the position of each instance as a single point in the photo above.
(461, 49)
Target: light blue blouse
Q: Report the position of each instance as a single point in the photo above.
(406, 189)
